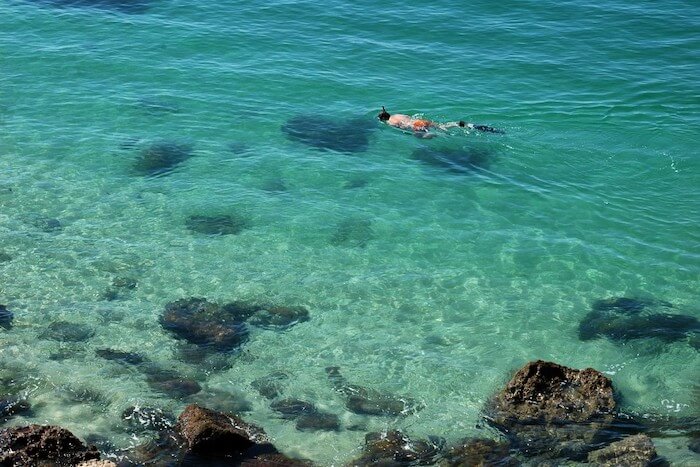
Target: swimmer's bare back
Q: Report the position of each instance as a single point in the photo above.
(420, 127)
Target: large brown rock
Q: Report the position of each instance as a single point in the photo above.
(37, 445)
(549, 409)
(208, 431)
(635, 451)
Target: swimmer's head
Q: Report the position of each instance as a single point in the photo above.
(383, 115)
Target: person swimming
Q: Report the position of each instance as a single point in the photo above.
(421, 127)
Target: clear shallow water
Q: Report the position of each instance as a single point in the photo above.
(459, 278)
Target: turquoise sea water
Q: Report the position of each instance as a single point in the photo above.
(420, 281)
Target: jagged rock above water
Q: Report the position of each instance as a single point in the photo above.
(37, 445)
(394, 448)
(207, 431)
(6, 318)
(479, 452)
(624, 318)
(366, 401)
(637, 450)
(549, 408)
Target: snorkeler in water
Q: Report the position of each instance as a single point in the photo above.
(421, 127)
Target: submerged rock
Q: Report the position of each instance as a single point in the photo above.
(272, 385)
(393, 448)
(46, 224)
(4, 257)
(364, 401)
(457, 160)
(277, 317)
(170, 383)
(13, 405)
(548, 409)
(637, 450)
(349, 136)
(479, 452)
(6, 318)
(274, 460)
(308, 417)
(128, 283)
(204, 323)
(42, 445)
(147, 418)
(216, 225)
(210, 432)
(623, 319)
(130, 358)
(274, 185)
(353, 232)
(66, 331)
(161, 158)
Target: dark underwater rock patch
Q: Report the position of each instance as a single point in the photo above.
(271, 386)
(394, 448)
(203, 323)
(5, 257)
(147, 419)
(352, 232)
(349, 136)
(456, 160)
(13, 405)
(549, 409)
(161, 158)
(224, 224)
(308, 417)
(6, 318)
(129, 358)
(479, 452)
(65, 331)
(170, 383)
(46, 224)
(624, 318)
(42, 445)
(366, 401)
(279, 317)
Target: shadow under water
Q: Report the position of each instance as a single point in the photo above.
(622, 319)
(122, 6)
(329, 134)
(161, 158)
(456, 160)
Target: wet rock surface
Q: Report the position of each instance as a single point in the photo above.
(13, 405)
(396, 449)
(549, 409)
(455, 160)
(207, 431)
(161, 158)
(224, 224)
(635, 450)
(42, 445)
(6, 318)
(366, 401)
(65, 331)
(624, 318)
(479, 452)
(350, 136)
